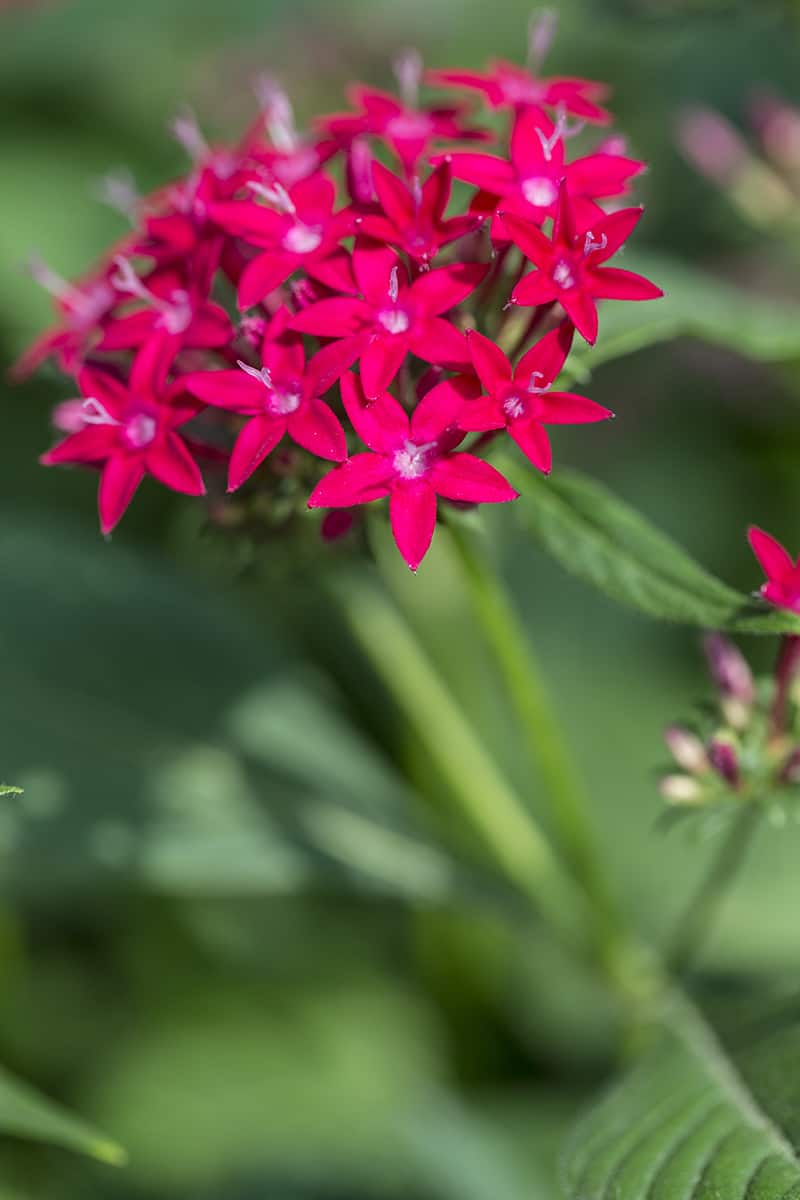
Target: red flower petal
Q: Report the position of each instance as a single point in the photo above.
(775, 560)
(437, 341)
(382, 424)
(440, 408)
(170, 462)
(532, 439)
(536, 288)
(121, 476)
(317, 429)
(380, 362)
(358, 480)
(464, 477)
(254, 443)
(566, 408)
(262, 275)
(233, 390)
(338, 317)
(529, 238)
(546, 358)
(582, 311)
(610, 283)
(412, 512)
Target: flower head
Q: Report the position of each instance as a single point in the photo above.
(413, 460)
(569, 265)
(411, 216)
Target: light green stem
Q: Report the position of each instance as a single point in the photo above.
(495, 812)
(550, 755)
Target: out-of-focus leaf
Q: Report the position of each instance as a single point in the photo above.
(602, 540)
(695, 304)
(6, 789)
(699, 1116)
(25, 1113)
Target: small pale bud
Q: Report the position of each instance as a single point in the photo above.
(687, 749)
(681, 789)
(712, 145)
(541, 32)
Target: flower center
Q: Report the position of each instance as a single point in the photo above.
(564, 274)
(412, 460)
(409, 125)
(302, 239)
(514, 406)
(394, 320)
(139, 430)
(540, 191)
(176, 317)
(284, 400)
(520, 91)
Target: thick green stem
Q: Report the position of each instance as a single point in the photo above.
(695, 925)
(493, 809)
(550, 755)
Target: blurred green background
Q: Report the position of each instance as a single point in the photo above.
(229, 933)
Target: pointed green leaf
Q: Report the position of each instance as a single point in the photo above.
(703, 1116)
(25, 1113)
(608, 544)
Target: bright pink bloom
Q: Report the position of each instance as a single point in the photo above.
(412, 461)
(782, 587)
(393, 318)
(169, 307)
(299, 230)
(129, 432)
(412, 218)
(280, 397)
(406, 129)
(505, 85)
(83, 308)
(569, 264)
(527, 183)
(520, 399)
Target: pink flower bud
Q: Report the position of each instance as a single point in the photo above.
(729, 668)
(790, 772)
(687, 749)
(724, 760)
(778, 125)
(712, 144)
(336, 524)
(69, 416)
(359, 172)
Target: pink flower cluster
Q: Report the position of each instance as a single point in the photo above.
(355, 291)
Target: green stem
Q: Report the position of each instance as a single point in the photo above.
(492, 807)
(550, 755)
(695, 925)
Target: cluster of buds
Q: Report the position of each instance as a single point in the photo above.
(762, 180)
(317, 317)
(746, 746)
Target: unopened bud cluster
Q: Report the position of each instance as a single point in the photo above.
(746, 745)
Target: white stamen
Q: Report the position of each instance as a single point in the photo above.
(278, 113)
(96, 413)
(118, 191)
(411, 460)
(276, 195)
(52, 282)
(590, 245)
(185, 129)
(262, 374)
(514, 407)
(408, 73)
(536, 388)
(541, 32)
(563, 274)
(561, 131)
(394, 285)
(176, 313)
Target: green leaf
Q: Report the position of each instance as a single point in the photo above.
(7, 790)
(695, 304)
(706, 1114)
(607, 543)
(24, 1113)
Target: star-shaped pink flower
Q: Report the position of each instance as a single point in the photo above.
(393, 317)
(411, 460)
(527, 183)
(505, 85)
(280, 397)
(782, 587)
(520, 399)
(412, 217)
(406, 129)
(129, 432)
(570, 264)
(301, 229)
(166, 305)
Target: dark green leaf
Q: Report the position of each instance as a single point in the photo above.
(698, 1118)
(25, 1113)
(607, 543)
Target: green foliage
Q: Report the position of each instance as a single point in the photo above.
(705, 1113)
(24, 1113)
(610, 545)
(695, 304)
(6, 789)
